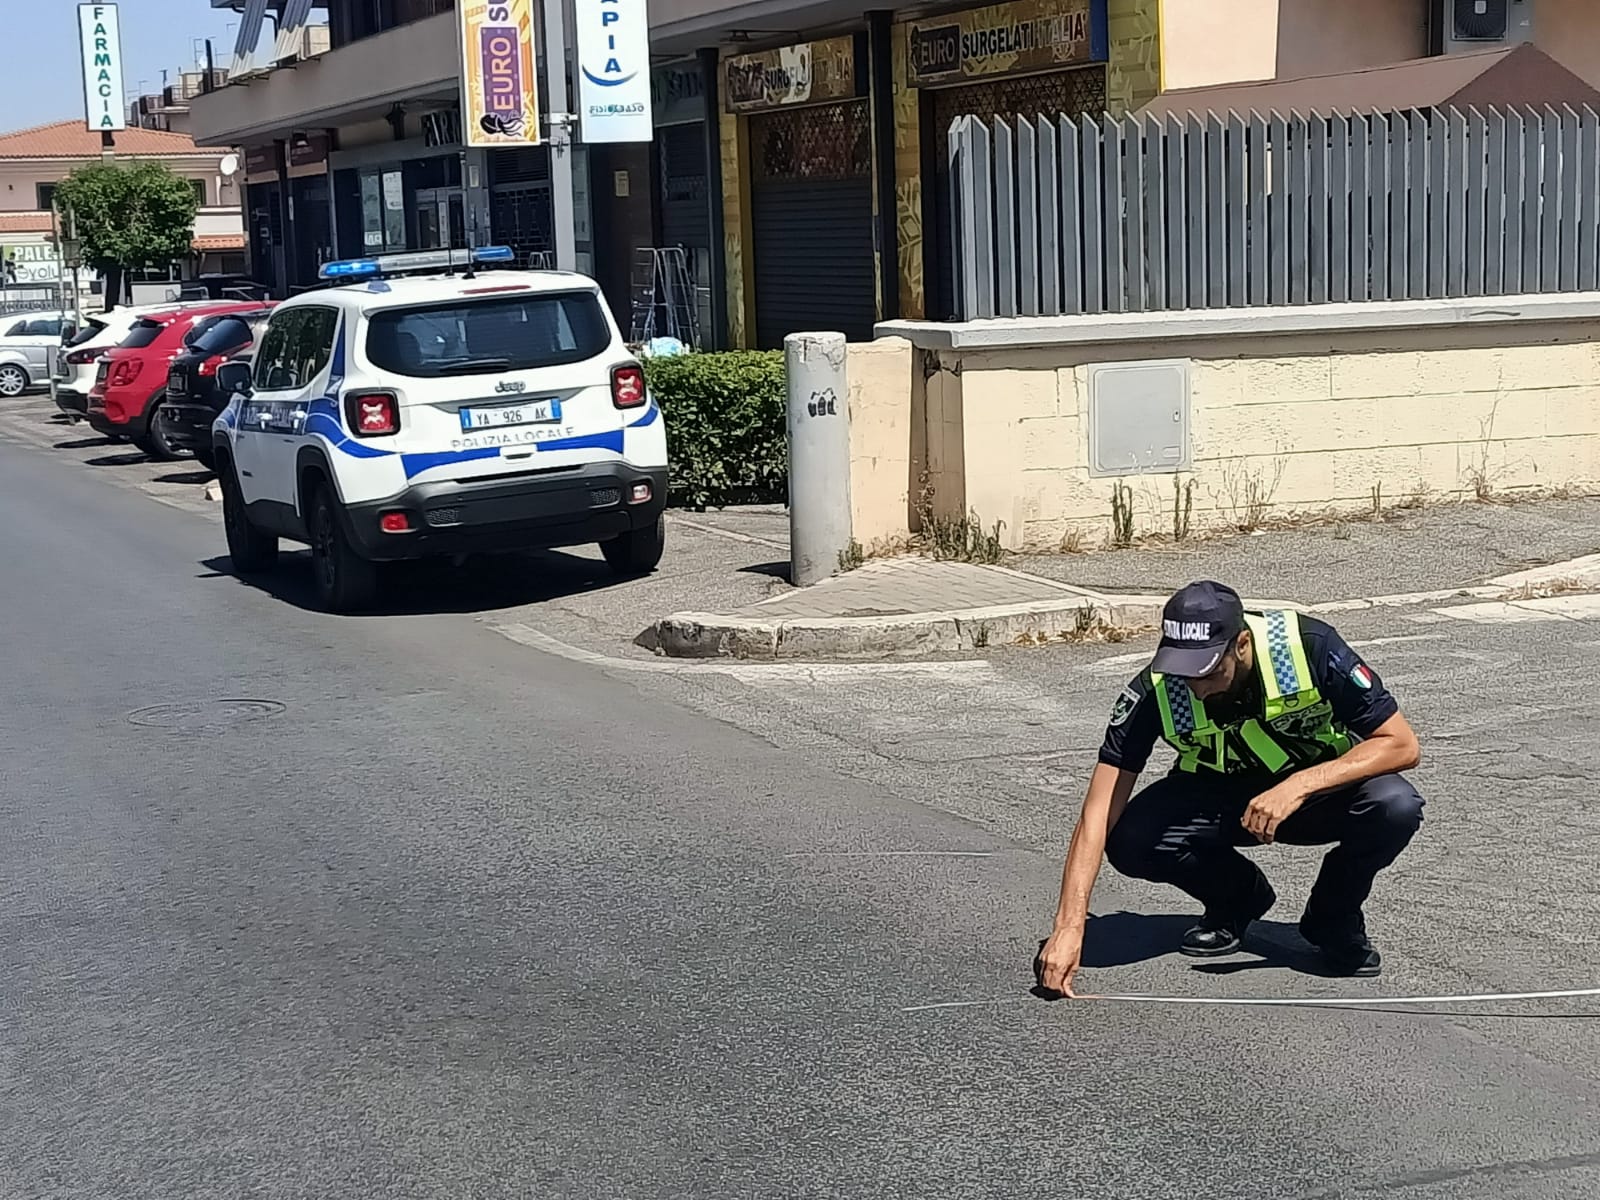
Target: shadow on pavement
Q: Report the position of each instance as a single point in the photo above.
(1122, 939)
(778, 570)
(117, 460)
(85, 444)
(186, 477)
(484, 583)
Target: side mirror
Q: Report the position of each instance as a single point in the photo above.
(234, 378)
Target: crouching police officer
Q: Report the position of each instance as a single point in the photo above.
(1283, 734)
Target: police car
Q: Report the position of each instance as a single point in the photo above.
(429, 404)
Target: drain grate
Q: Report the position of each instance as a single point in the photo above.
(204, 716)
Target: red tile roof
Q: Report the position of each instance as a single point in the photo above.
(25, 222)
(219, 241)
(71, 140)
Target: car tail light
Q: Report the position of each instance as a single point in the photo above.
(394, 522)
(209, 368)
(126, 371)
(639, 494)
(627, 386)
(82, 358)
(372, 414)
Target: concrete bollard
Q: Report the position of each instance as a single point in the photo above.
(819, 455)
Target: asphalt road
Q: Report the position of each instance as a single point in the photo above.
(467, 920)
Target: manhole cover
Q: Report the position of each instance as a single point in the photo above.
(204, 716)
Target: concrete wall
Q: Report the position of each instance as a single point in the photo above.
(1229, 41)
(1569, 31)
(885, 409)
(19, 181)
(1315, 420)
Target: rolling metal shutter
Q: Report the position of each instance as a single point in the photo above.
(685, 194)
(811, 201)
(1075, 93)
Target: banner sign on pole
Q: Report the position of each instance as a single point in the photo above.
(614, 70)
(499, 91)
(100, 39)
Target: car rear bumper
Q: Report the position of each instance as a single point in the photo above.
(534, 511)
(187, 426)
(71, 401)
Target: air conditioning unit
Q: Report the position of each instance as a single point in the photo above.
(1469, 26)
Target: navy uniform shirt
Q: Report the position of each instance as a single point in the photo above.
(1360, 701)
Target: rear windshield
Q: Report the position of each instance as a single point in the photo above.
(142, 334)
(512, 333)
(91, 329)
(226, 333)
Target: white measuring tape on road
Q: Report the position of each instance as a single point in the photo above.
(1284, 1002)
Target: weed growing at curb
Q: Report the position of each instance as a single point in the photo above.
(1121, 515)
(851, 557)
(957, 539)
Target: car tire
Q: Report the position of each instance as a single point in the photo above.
(345, 581)
(13, 380)
(251, 550)
(637, 552)
(154, 441)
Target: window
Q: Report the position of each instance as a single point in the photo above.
(511, 334)
(49, 327)
(91, 328)
(225, 334)
(297, 346)
(46, 193)
(142, 334)
(199, 186)
(17, 329)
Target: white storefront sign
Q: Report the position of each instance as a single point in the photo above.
(614, 70)
(100, 38)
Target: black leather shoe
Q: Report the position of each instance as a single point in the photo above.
(1344, 946)
(1218, 934)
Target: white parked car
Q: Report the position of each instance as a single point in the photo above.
(26, 340)
(424, 405)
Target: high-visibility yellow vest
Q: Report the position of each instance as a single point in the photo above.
(1294, 730)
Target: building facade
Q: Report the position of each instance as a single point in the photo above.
(805, 172)
(34, 161)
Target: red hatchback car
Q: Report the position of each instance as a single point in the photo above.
(131, 379)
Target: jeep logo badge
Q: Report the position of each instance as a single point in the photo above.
(510, 388)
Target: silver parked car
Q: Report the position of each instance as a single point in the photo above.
(26, 340)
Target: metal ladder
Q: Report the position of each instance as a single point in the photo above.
(664, 301)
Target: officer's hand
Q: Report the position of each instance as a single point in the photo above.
(1058, 961)
(1270, 809)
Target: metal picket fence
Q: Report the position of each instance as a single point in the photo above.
(1084, 215)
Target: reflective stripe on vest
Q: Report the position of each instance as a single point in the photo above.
(1287, 689)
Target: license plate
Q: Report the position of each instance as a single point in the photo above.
(529, 412)
(177, 383)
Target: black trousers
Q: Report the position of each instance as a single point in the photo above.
(1184, 830)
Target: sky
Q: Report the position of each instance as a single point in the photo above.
(41, 80)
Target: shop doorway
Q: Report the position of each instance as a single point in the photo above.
(441, 216)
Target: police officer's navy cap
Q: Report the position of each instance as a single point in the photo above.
(1197, 627)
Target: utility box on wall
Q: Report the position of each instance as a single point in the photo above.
(1472, 26)
(1139, 417)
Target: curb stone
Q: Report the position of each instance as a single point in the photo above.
(712, 635)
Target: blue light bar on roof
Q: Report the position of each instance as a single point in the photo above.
(350, 268)
(420, 262)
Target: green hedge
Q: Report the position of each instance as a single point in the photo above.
(727, 437)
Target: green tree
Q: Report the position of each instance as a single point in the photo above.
(129, 216)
